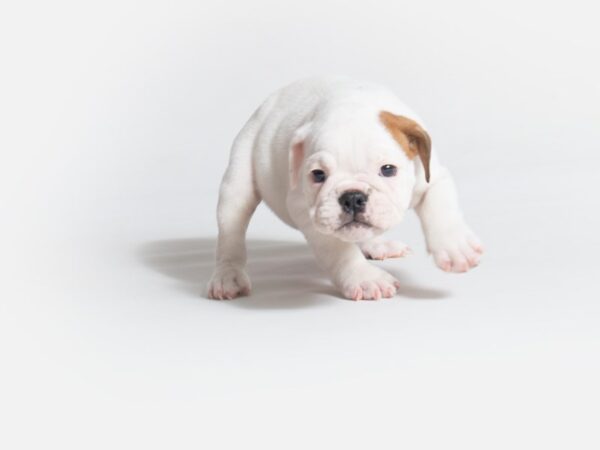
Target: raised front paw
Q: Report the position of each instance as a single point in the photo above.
(228, 282)
(366, 282)
(384, 249)
(455, 249)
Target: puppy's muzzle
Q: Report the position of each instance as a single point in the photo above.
(353, 202)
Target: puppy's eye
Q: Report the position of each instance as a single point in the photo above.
(318, 175)
(388, 170)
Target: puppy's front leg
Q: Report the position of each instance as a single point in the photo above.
(454, 247)
(237, 201)
(349, 270)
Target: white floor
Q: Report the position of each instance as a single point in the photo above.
(115, 145)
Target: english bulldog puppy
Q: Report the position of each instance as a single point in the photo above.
(342, 161)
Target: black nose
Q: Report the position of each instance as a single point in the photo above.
(353, 202)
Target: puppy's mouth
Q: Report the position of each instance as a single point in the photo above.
(354, 224)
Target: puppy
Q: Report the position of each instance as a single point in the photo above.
(342, 161)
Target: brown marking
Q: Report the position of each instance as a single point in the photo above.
(413, 139)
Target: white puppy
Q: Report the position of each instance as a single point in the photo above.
(342, 161)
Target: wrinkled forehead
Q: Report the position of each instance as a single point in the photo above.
(355, 145)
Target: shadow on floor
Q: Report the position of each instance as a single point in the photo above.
(283, 274)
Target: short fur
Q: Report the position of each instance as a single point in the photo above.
(349, 130)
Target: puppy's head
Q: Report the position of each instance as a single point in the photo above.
(356, 173)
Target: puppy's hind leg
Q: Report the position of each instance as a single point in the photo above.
(238, 199)
(378, 248)
(356, 278)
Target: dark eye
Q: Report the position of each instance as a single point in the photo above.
(318, 176)
(388, 170)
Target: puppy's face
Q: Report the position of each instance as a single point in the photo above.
(357, 178)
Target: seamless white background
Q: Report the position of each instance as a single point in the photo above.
(115, 125)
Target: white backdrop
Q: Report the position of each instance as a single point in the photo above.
(116, 121)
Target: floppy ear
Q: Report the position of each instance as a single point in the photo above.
(413, 139)
(297, 153)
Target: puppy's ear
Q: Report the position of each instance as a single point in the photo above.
(297, 153)
(413, 139)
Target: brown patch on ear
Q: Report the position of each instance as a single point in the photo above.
(413, 139)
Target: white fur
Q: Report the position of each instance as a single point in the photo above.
(333, 125)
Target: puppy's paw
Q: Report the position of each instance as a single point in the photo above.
(367, 282)
(228, 282)
(456, 249)
(384, 249)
